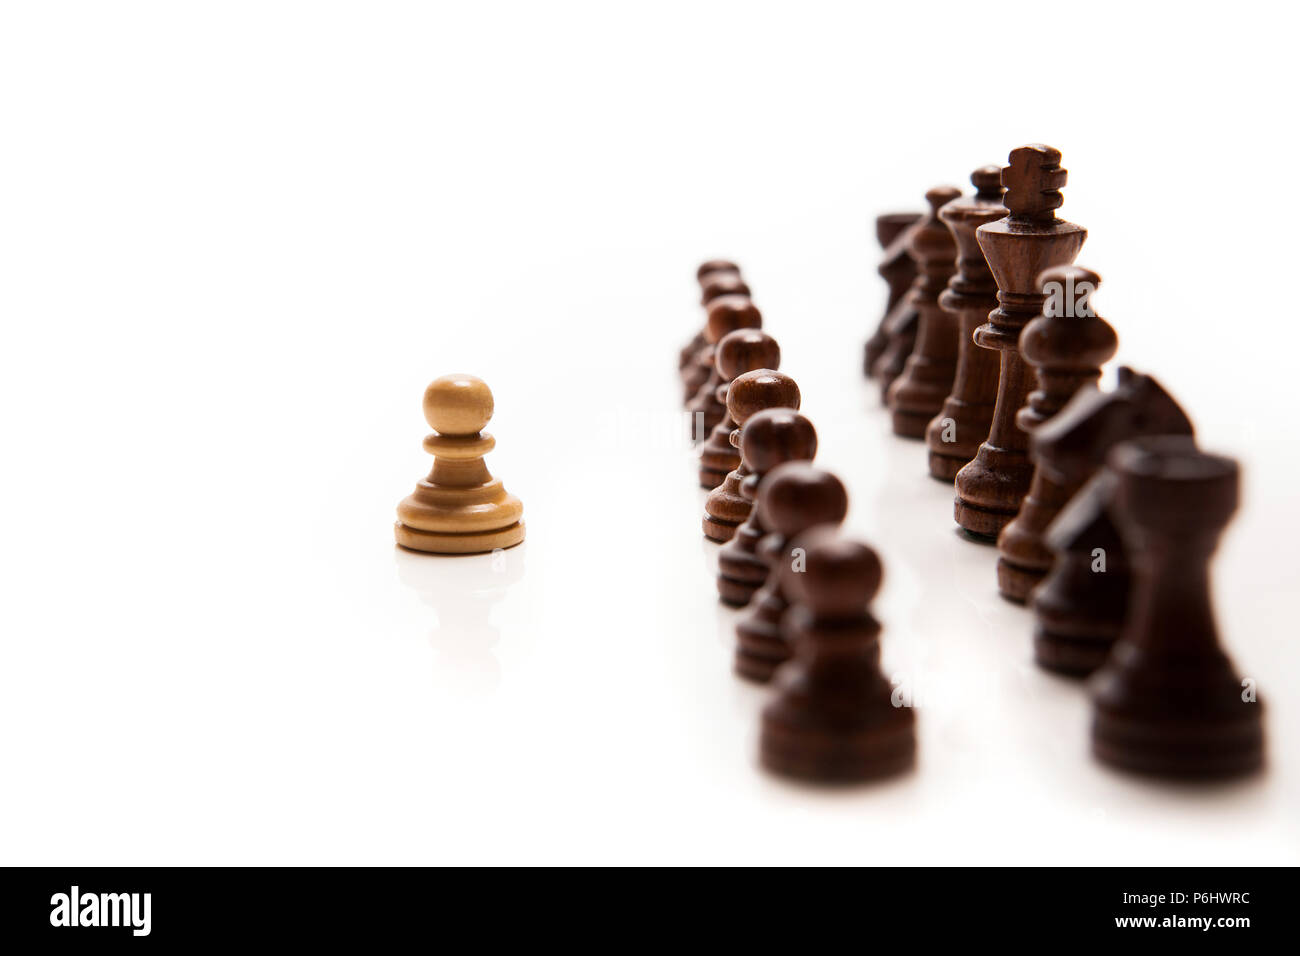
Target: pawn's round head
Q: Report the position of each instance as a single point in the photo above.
(745, 350)
(457, 404)
(940, 196)
(987, 181)
(796, 496)
(717, 284)
(833, 576)
(715, 265)
(762, 388)
(728, 313)
(774, 436)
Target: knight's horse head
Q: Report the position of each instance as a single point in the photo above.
(1073, 444)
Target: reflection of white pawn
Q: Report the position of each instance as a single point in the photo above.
(463, 593)
(460, 508)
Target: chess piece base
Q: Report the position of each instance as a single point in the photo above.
(907, 424)
(1015, 582)
(716, 529)
(468, 542)
(1186, 749)
(759, 653)
(824, 755)
(944, 468)
(1069, 655)
(710, 478)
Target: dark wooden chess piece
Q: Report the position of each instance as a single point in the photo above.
(769, 438)
(833, 719)
(743, 350)
(1167, 701)
(954, 435)
(704, 274)
(718, 284)
(748, 394)
(899, 323)
(726, 314)
(1018, 248)
(898, 273)
(927, 376)
(1066, 346)
(1080, 605)
(793, 498)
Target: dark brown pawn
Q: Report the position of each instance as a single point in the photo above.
(749, 394)
(918, 393)
(705, 274)
(1080, 605)
(900, 333)
(770, 438)
(793, 498)
(833, 719)
(1067, 347)
(726, 314)
(1018, 249)
(898, 273)
(954, 435)
(738, 352)
(1168, 702)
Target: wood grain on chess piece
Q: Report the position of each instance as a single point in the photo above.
(726, 314)
(832, 718)
(743, 350)
(1168, 701)
(748, 395)
(793, 498)
(1018, 249)
(460, 508)
(954, 435)
(768, 438)
(1080, 605)
(1066, 346)
(898, 274)
(927, 376)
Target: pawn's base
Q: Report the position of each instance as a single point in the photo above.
(1070, 655)
(980, 522)
(1182, 749)
(759, 653)
(718, 529)
(1015, 582)
(944, 468)
(736, 593)
(710, 478)
(822, 755)
(469, 542)
(909, 424)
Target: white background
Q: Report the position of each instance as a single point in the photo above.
(238, 239)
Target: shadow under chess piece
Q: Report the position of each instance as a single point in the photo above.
(460, 508)
(833, 719)
(748, 394)
(769, 438)
(462, 592)
(1066, 346)
(955, 433)
(898, 271)
(1018, 249)
(744, 350)
(793, 498)
(1079, 606)
(927, 376)
(726, 315)
(1168, 702)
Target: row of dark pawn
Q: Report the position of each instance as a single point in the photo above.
(1105, 512)
(806, 589)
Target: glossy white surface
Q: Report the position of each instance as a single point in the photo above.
(239, 244)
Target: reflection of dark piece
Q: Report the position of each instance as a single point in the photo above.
(1067, 351)
(1079, 606)
(1167, 701)
(769, 438)
(898, 271)
(954, 435)
(918, 392)
(749, 394)
(744, 350)
(1018, 249)
(793, 498)
(832, 718)
(726, 315)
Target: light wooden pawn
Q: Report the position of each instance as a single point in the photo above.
(460, 508)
